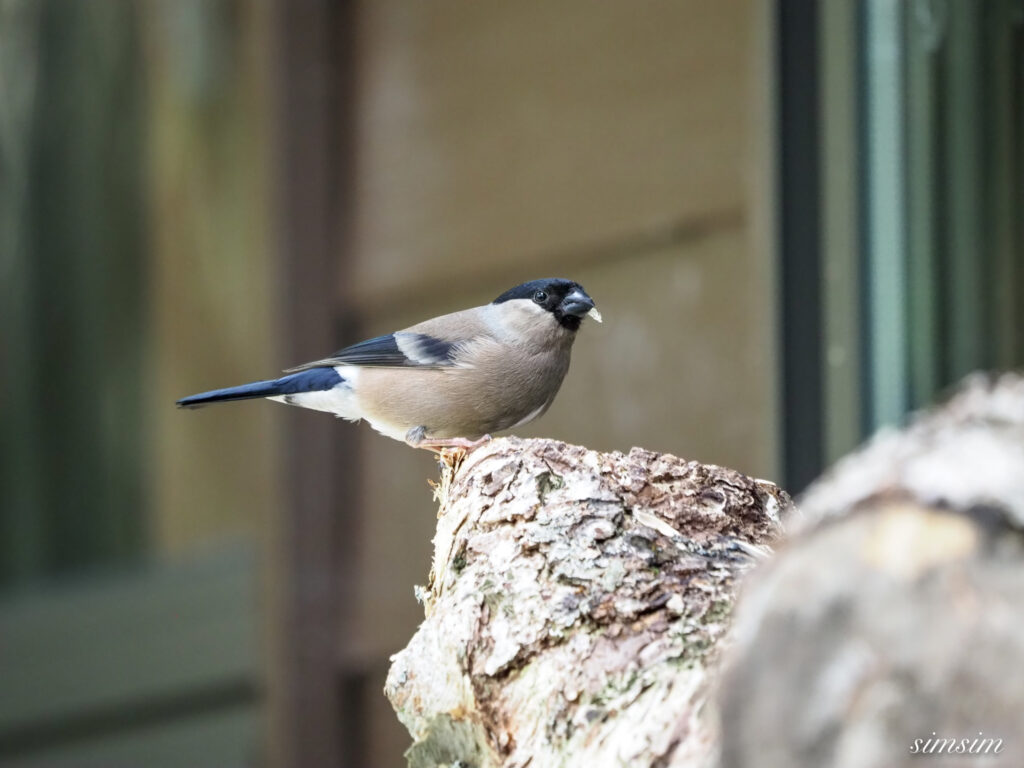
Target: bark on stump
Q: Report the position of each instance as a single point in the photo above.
(576, 607)
(893, 624)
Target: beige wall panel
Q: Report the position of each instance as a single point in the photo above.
(681, 364)
(490, 134)
(214, 472)
(398, 516)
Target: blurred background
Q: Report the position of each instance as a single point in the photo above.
(800, 220)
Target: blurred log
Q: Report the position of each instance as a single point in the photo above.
(891, 626)
(575, 607)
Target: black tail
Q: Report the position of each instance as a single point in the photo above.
(311, 380)
(244, 392)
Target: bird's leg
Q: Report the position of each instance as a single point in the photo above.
(458, 443)
(453, 451)
(417, 438)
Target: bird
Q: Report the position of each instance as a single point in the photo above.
(446, 383)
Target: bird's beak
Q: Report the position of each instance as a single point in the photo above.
(579, 304)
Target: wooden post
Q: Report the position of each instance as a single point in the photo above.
(309, 721)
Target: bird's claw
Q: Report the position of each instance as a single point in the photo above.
(444, 445)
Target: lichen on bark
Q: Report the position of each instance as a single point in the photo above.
(576, 607)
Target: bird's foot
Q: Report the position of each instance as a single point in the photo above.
(453, 444)
(416, 437)
(451, 451)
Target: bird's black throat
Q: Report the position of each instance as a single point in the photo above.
(572, 322)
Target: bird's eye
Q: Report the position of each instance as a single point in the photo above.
(540, 297)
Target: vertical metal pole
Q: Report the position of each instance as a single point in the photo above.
(886, 212)
(799, 233)
(841, 252)
(926, 31)
(966, 195)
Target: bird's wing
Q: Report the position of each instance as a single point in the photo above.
(404, 349)
(435, 343)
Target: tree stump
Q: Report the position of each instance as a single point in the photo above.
(576, 607)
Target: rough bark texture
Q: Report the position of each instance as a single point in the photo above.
(895, 614)
(575, 607)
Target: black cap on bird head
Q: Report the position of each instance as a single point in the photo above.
(565, 299)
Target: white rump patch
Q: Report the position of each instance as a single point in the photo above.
(339, 400)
